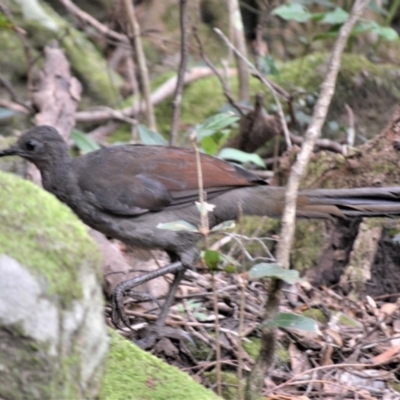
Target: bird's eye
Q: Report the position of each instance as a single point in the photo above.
(31, 145)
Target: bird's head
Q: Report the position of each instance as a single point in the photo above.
(40, 145)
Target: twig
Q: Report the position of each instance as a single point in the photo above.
(241, 329)
(351, 130)
(176, 104)
(264, 360)
(204, 230)
(217, 336)
(14, 106)
(13, 94)
(224, 84)
(237, 29)
(323, 143)
(141, 61)
(265, 81)
(84, 16)
(325, 367)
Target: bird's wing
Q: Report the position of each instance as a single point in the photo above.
(131, 180)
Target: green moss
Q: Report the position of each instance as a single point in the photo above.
(229, 383)
(14, 64)
(131, 374)
(376, 84)
(121, 135)
(201, 99)
(348, 321)
(308, 244)
(42, 23)
(316, 314)
(51, 242)
(282, 355)
(252, 347)
(201, 350)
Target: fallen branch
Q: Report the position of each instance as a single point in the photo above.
(163, 92)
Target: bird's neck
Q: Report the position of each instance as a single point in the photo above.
(55, 174)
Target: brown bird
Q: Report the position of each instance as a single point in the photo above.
(126, 191)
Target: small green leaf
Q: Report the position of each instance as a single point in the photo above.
(211, 258)
(241, 156)
(336, 17)
(200, 316)
(230, 269)
(224, 226)
(178, 226)
(292, 321)
(270, 270)
(268, 65)
(294, 11)
(209, 145)
(147, 136)
(229, 259)
(204, 208)
(84, 143)
(214, 124)
(385, 32)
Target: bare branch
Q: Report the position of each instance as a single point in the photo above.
(265, 81)
(236, 25)
(84, 16)
(224, 84)
(141, 61)
(176, 104)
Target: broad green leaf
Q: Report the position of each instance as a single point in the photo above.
(84, 143)
(147, 136)
(270, 270)
(241, 156)
(211, 258)
(336, 17)
(294, 11)
(317, 17)
(214, 124)
(385, 32)
(224, 226)
(292, 321)
(178, 226)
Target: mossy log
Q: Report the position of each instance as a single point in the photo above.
(42, 25)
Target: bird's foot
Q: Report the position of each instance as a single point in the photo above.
(117, 302)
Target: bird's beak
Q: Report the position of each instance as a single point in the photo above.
(11, 151)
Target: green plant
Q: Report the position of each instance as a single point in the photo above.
(333, 17)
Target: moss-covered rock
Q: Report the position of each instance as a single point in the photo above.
(133, 374)
(52, 331)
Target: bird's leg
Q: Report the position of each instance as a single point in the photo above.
(170, 297)
(118, 312)
(158, 330)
